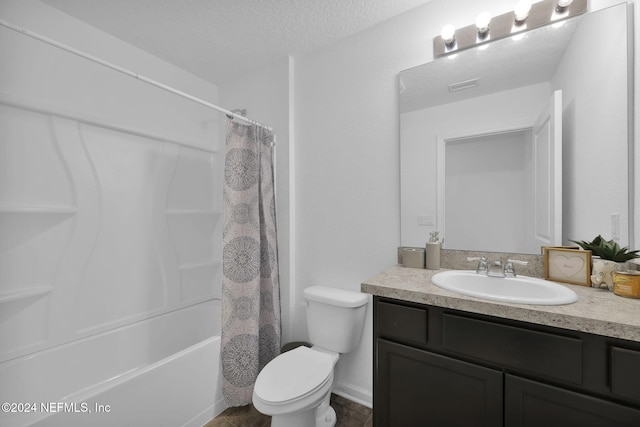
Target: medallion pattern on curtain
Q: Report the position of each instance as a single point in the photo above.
(250, 287)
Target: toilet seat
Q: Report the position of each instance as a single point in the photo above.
(293, 376)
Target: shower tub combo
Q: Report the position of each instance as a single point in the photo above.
(158, 372)
(109, 273)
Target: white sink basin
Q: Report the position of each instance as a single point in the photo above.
(517, 290)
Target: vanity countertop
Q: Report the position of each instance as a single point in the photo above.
(597, 311)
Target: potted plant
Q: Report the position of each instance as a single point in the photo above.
(607, 256)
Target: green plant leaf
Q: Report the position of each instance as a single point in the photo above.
(607, 249)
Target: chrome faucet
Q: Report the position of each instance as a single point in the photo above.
(495, 268)
(509, 269)
(482, 263)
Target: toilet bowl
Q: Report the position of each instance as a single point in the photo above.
(295, 387)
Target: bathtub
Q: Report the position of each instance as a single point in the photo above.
(162, 371)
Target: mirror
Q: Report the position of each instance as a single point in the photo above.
(472, 166)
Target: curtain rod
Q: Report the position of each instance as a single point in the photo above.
(127, 72)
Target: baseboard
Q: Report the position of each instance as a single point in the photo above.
(354, 393)
(208, 414)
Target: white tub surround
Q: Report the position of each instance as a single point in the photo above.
(160, 371)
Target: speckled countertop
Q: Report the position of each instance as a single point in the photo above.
(596, 311)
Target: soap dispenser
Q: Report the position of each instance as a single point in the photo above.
(433, 251)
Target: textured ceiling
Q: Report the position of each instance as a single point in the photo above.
(219, 39)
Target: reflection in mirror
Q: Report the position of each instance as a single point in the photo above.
(477, 163)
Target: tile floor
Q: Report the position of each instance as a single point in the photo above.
(349, 414)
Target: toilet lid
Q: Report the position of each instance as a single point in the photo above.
(293, 374)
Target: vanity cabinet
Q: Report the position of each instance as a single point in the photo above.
(441, 367)
(424, 388)
(531, 403)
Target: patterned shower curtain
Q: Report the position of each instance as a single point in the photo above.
(250, 285)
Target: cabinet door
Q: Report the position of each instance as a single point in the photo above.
(625, 375)
(418, 388)
(532, 404)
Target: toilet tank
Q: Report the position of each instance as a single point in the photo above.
(335, 317)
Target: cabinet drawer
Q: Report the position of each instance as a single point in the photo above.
(549, 355)
(402, 322)
(625, 373)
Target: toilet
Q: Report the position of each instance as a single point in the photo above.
(295, 387)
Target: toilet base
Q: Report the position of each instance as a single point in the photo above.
(322, 415)
(308, 418)
(325, 414)
(296, 419)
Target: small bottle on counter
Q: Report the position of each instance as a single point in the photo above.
(433, 251)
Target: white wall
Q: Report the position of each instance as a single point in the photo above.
(347, 158)
(73, 83)
(593, 190)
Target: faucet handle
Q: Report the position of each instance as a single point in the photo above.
(509, 270)
(482, 263)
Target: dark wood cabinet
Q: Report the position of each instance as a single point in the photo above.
(447, 368)
(625, 373)
(421, 386)
(534, 404)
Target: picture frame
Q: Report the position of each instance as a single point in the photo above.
(544, 248)
(567, 264)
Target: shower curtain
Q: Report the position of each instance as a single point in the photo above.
(250, 286)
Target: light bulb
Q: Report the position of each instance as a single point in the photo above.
(562, 5)
(482, 23)
(522, 9)
(448, 34)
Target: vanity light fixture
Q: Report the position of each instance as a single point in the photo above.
(521, 11)
(482, 24)
(562, 5)
(448, 35)
(525, 16)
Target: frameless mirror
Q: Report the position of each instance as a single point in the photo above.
(522, 142)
